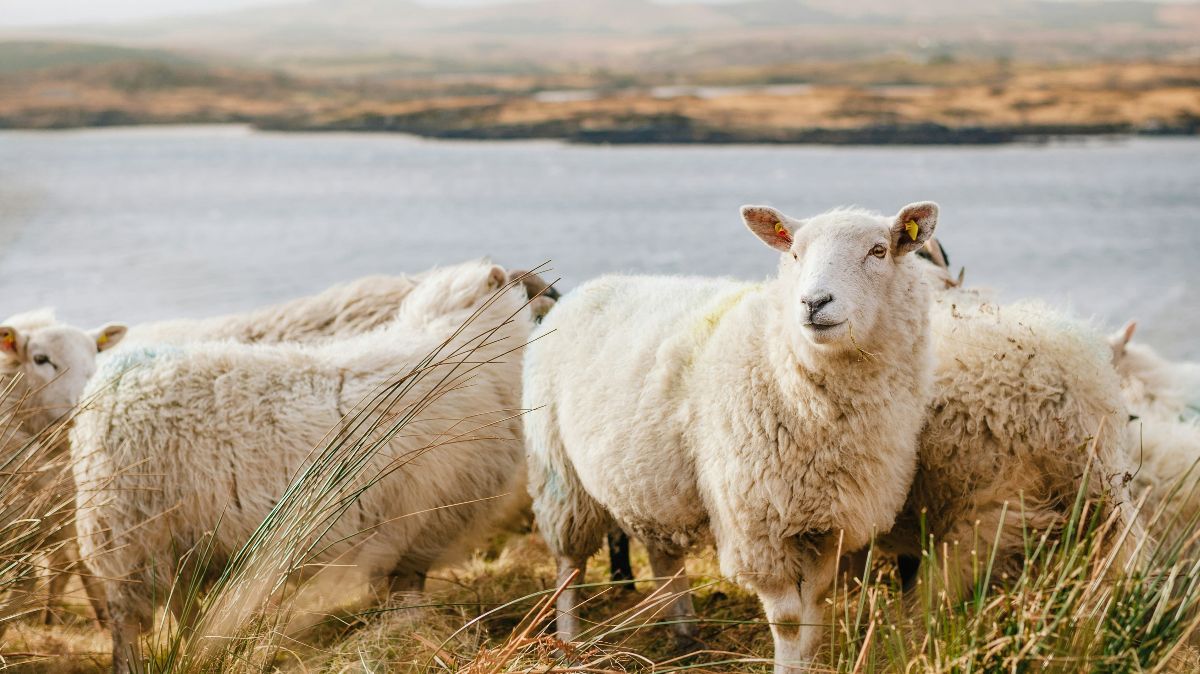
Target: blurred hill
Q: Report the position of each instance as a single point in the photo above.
(393, 37)
(830, 71)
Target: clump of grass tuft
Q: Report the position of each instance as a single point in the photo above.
(36, 506)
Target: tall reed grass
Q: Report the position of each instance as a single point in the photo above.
(1074, 608)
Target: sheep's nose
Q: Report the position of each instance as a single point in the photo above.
(816, 301)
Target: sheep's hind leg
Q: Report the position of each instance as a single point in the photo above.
(55, 589)
(673, 586)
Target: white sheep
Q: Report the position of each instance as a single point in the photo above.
(1021, 394)
(248, 417)
(344, 310)
(779, 420)
(44, 365)
(1164, 400)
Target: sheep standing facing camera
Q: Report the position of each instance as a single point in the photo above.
(180, 438)
(777, 420)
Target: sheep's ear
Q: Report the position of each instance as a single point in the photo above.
(8, 342)
(935, 253)
(497, 278)
(1120, 339)
(914, 226)
(108, 336)
(772, 227)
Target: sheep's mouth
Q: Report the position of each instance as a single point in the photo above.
(820, 327)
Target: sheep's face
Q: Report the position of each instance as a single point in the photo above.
(55, 362)
(840, 269)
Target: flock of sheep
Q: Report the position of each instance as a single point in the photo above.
(861, 394)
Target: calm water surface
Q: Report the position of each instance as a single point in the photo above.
(142, 224)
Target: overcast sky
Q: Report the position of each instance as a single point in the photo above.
(48, 12)
(42, 12)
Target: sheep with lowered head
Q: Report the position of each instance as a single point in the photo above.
(248, 418)
(44, 365)
(1164, 402)
(344, 310)
(777, 420)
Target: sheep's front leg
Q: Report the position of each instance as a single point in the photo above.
(796, 612)
(673, 587)
(785, 613)
(568, 599)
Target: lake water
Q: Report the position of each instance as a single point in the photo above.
(151, 223)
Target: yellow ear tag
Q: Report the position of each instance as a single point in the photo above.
(913, 229)
(102, 339)
(782, 232)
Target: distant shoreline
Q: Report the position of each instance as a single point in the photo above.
(883, 103)
(658, 131)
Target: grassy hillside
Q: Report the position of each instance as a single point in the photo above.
(24, 56)
(883, 101)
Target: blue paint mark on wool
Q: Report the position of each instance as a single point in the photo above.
(126, 359)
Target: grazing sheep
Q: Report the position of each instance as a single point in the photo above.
(1164, 401)
(779, 419)
(248, 417)
(345, 310)
(44, 365)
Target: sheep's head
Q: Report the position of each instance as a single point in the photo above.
(54, 361)
(842, 269)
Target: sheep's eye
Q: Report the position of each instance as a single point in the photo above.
(41, 359)
(879, 251)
